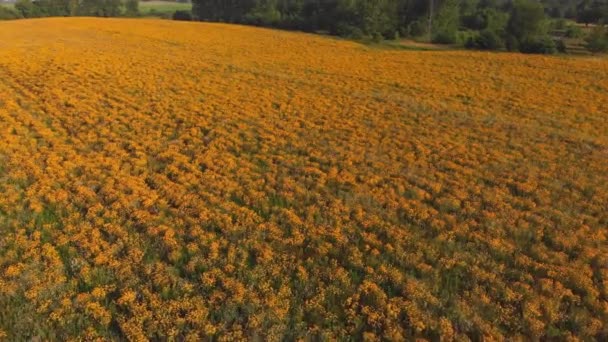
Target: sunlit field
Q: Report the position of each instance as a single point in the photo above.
(200, 181)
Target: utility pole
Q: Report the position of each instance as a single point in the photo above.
(430, 20)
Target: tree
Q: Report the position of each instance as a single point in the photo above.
(7, 13)
(527, 20)
(132, 7)
(28, 9)
(182, 15)
(264, 13)
(447, 23)
(592, 11)
(486, 40)
(486, 18)
(377, 17)
(597, 41)
(538, 44)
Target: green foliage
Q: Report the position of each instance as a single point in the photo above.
(349, 31)
(485, 40)
(162, 9)
(447, 23)
(264, 13)
(597, 41)
(46, 8)
(511, 43)
(417, 28)
(527, 20)
(377, 17)
(101, 8)
(371, 18)
(132, 7)
(382, 18)
(561, 46)
(486, 18)
(8, 13)
(592, 11)
(573, 31)
(527, 29)
(182, 15)
(559, 24)
(538, 44)
(27, 9)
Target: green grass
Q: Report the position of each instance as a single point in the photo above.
(154, 8)
(410, 45)
(7, 5)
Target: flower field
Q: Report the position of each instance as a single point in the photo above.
(186, 181)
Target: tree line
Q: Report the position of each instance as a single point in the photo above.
(486, 24)
(514, 25)
(64, 8)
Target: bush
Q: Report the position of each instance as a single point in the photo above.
(416, 29)
(486, 19)
(573, 31)
(8, 14)
(264, 15)
(597, 41)
(540, 45)
(132, 8)
(377, 37)
(27, 9)
(527, 20)
(489, 40)
(445, 37)
(560, 46)
(511, 43)
(348, 31)
(182, 15)
(446, 23)
(485, 40)
(558, 24)
(475, 21)
(463, 37)
(471, 43)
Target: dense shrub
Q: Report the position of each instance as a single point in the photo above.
(486, 19)
(132, 8)
(475, 21)
(538, 44)
(527, 20)
(417, 28)
(465, 36)
(445, 37)
(264, 15)
(182, 15)
(559, 24)
(573, 31)
(446, 24)
(27, 9)
(597, 41)
(8, 14)
(485, 40)
(349, 31)
(560, 46)
(511, 43)
(54, 8)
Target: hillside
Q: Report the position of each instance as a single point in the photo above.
(206, 181)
